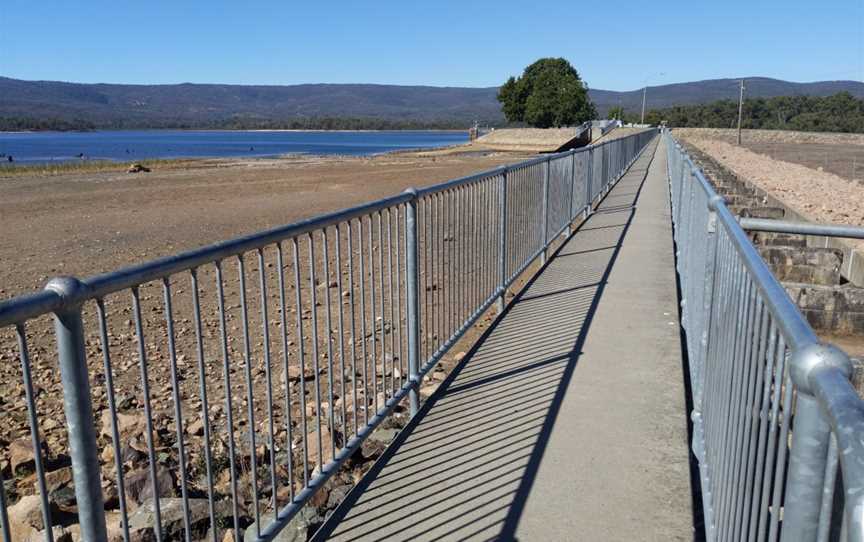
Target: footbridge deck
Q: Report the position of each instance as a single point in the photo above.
(567, 420)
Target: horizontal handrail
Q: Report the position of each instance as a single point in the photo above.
(801, 228)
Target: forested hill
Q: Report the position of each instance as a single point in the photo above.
(47, 104)
(841, 112)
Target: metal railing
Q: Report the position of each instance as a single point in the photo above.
(774, 411)
(251, 370)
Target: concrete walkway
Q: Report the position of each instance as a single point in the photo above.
(568, 420)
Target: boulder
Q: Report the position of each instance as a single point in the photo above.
(25, 517)
(21, 455)
(129, 425)
(297, 530)
(337, 495)
(139, 487)
(171, 512)
(377, 442)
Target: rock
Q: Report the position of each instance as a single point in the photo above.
(428, 390)
(297, 530)
(337, 495)
(21, 456)
(326, 445)
(65, 499)
(129, 425)
(294, 373)
(140, 489)
(25, 517)
(59, 478)
(54, 480)
(320, 497)
(377, 442)
(171, 511)
(196, 428)
(137, 168)
(58, 533)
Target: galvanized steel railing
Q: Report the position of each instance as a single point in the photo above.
(773, 408)
(284, 377)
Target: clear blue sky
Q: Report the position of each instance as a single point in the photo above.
(614, 44)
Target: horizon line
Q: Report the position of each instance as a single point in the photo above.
(283, 85)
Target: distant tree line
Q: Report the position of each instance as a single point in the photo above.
(337, 123)
(21, 124)
(13, 124)
(840, 112)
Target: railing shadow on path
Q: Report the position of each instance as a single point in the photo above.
(466, 464)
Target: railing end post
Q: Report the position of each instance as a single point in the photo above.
(81, 427)
(412, 277)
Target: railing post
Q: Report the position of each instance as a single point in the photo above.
(68, 329)
(811, 436)
(502, 240)
(412, 299)
(570, 210)
(589, 178)
(544, 220)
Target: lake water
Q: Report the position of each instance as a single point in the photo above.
(128, 145)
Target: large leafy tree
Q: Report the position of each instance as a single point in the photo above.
(548, 94)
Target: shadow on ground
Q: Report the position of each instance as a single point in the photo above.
(463, 469)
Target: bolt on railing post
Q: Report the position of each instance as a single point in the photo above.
(86, 474)
(544, 219)
(502, 240)
(811, 435)
(412, 299)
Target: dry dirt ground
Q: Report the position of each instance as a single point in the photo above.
(788, 165)
(85, 224)
(811, 173)
(840, 154)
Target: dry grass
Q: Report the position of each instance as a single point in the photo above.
(95, 166)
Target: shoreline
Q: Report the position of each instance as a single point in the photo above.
(35, 169)
(251, 130)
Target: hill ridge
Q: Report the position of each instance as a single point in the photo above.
(208, 104)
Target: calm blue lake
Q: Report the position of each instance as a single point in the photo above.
(126, 145)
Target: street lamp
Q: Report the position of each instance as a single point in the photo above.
(645, 92)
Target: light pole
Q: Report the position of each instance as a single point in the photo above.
(645, 92)
(740, 110)
(644, 95)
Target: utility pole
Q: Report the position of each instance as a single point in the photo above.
(644, 93)
(740, 109)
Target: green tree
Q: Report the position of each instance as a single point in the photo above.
(548, 94)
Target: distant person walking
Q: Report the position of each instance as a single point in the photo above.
(10, 158)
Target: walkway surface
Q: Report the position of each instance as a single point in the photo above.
(567, 421)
